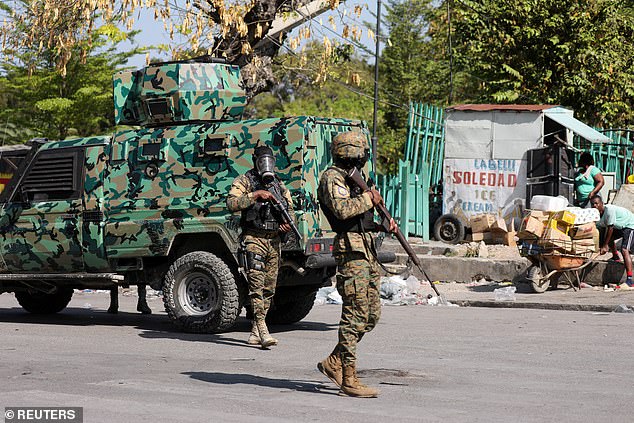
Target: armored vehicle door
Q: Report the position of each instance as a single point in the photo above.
(40, 227)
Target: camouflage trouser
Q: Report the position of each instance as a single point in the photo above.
(262, 282)
(358, 283)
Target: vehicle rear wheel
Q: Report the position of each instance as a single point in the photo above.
(291, 306)
(448, 228)
(42, 303)
(536, 280)
(200, 293)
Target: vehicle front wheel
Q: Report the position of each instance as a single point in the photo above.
(200, 293)
(42, 303)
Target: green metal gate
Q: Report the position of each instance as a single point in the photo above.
(419, 180)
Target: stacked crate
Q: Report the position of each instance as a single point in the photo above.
(492, 230)
(561, 232)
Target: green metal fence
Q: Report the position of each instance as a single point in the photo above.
(419, 180)
(616, 156)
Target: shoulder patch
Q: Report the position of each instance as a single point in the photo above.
(343, 192)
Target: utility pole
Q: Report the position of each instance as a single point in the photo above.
(450, 99)
(376, 83)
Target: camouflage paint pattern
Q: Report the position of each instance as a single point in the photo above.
(142, 188)
(180, 92)
(189, 190)
(358, 283)
(262, 282)
(47, 235)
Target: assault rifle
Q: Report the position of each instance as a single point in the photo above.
(278, 205)
(356, 178)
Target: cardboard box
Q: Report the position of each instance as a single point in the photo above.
(583, 246)
(560, 225)
(506, 238)
(585, 231)
(552, 237)
(531, 228)
(487, 237)
(565, 217)
(499, 225)
(539, 215)
(482, 222)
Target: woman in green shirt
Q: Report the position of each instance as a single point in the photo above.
(588, 181)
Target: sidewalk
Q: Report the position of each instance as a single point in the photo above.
(471, 281)
(564, 298)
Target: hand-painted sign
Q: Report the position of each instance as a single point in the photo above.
(476, 186)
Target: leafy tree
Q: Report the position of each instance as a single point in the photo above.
(239, 30)
(38, 101)
(413, 67)
(346, 91)
(577, 53)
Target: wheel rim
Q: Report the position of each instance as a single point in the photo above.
(448, 231)
(198, 294)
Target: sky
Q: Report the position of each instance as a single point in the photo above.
(153, 33)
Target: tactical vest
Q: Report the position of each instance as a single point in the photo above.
(361, 223)
(262, 216)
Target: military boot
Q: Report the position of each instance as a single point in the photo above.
(141, 305)
(331, 367)
(351, 386)
(114, 301)
(266, 340)
(254, 338)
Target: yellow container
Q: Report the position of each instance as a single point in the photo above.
(564, 216)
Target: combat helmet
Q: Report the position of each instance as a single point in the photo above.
(350, 148)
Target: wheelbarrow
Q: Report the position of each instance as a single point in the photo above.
(554, 260)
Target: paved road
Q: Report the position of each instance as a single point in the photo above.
(436, 364)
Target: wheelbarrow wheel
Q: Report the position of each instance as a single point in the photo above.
(536, 279)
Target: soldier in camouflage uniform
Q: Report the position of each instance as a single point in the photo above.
(350, 214)
(261, 228)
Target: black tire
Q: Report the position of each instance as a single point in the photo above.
(291, 307)
(449, 229)
(200, 293)
(41, 303)
(535, 279)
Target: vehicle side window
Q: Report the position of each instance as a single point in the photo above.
(55, 175)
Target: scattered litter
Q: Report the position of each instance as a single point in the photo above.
(88, 306)
(505, 294)
(328, 295)
(478, 282)
(585, 285)
(622, 308)
(398, 291)
(483, 251)
(607, 288)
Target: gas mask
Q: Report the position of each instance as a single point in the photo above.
(264, 163)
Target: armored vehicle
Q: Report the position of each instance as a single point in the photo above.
(147, 205)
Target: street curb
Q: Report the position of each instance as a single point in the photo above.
(543, 306)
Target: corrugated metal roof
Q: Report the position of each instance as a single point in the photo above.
(502, 107)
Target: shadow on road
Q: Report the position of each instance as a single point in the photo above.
(154, 326)
(246, 379)
(77, 316)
